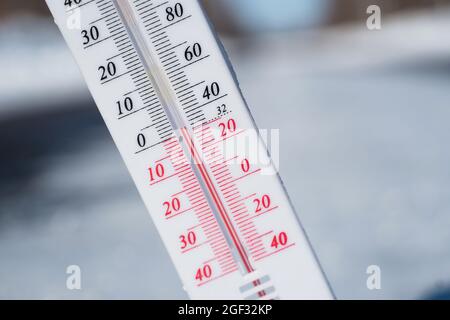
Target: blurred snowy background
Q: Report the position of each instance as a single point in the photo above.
(364, 119)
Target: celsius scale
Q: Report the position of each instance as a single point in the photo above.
(170, 99)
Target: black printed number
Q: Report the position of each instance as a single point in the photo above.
(174, 12)
(90, 35)
(212, 90)
(222, 109)
(69, 3)
(141, 140)
(193, 52)
(107, 71)
(125, 105)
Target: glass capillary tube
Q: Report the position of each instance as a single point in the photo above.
(182, 132)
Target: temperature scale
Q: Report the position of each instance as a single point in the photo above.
(166, 91)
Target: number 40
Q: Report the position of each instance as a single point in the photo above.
(280, 239)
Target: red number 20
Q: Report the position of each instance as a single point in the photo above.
(262, 203)
(228, 127)
(172, 206)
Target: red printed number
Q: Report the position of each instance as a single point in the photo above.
(262, 203)
(228, 127)
(172, 206)
(245, 165)
(279, 240)
(203, 273)
(157, 172)
(188, 240)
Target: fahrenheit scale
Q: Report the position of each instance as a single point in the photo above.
(174, 109)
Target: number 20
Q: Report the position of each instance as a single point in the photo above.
(228, 127)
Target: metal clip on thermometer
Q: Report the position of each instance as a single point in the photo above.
(167, 94)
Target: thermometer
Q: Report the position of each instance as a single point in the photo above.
(166, 91)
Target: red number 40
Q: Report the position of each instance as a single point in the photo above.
(204, 272)
(279, 240)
